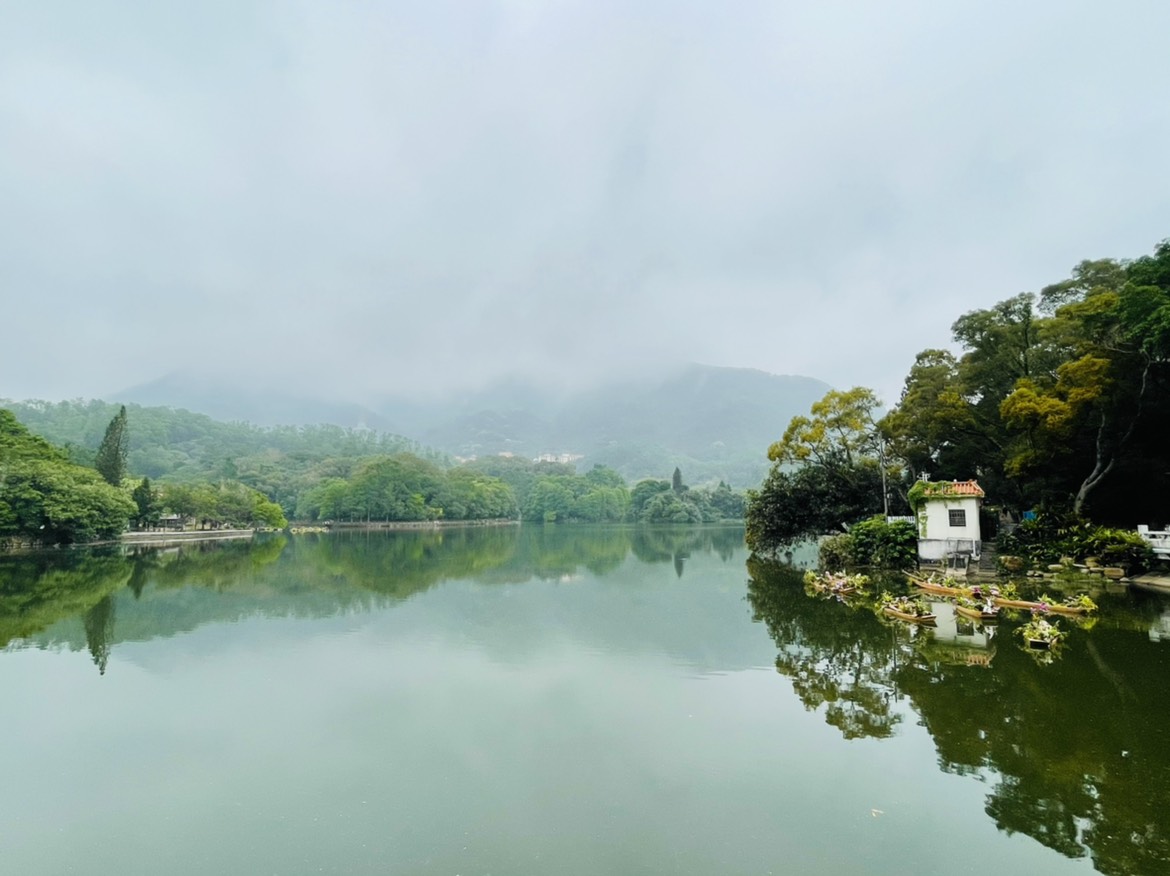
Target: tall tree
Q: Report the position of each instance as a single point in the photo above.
(827, 472)
(111, 455)
(676, 481)
(1114, 320)
(1059, 401)
(144, 498)
(840, 436)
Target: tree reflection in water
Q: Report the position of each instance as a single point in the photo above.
(1077, 752)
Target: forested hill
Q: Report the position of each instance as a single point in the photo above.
(48, 499)
(713, 423)
(178, 445)
(710, 422)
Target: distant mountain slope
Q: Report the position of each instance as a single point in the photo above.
(713, 423)
(242, 401)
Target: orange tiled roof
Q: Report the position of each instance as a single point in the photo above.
(941, 489)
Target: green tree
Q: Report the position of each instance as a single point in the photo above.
(933, 429)
(111, 456)
(47, 498)
(643, 492)
(806, 502)
(839, 474)
(841, 436)
(147, 504)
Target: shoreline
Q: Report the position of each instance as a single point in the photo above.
(141, 538)
(375, 525)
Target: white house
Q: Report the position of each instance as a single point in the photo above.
(948, 519)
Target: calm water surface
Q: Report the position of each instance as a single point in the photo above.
(554, 701)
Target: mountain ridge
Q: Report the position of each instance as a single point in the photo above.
(713, 422)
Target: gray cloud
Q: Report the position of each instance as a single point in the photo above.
(364, 197)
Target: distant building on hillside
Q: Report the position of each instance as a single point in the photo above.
(947, 513)
(564, 458)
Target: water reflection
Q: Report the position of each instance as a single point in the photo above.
(1076, 753)
(566, 658)
(315, 575)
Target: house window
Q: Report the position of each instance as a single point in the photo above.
(958, 516)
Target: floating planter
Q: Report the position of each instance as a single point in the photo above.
(1043, 606)
(836, 583)
(987, 612)
(945, 587)
(1072, 605)
(1041, 635)
(905, 608)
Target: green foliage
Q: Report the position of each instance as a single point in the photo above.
(1057, 402)
(835, 551)
(1052, 535)
(111, 455)
(839, 479)
(1039, 629)
(873, 543)
(792, 506)
(45, 497)
(148, 510)
(884, 545)
(405, 487)
(914, 605)
(670, 508)
(282, 462)
(642, 493)
(659, 501)
(723, 503)
(227, 503)
(840, 433)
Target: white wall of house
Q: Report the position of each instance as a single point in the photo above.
(949, 524)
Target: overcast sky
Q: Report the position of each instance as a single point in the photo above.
(359, 196)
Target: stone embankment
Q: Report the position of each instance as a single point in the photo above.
(14, 543)
(1066, 567)
(184, 536)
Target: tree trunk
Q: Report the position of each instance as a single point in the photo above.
(1100, 470)
(1106, 458)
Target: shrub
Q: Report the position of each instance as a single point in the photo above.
(836, 551)
(1050, 537)
(872, 542)
(884, 545)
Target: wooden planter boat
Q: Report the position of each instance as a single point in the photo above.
(1014, 603)
(942, 589)
(1023, 603)
(976, 613)
(907, 616)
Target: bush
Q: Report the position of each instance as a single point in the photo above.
(873, 543)
(836, 552)
(884, 545)
(1050, 537)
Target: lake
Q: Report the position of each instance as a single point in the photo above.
(555, 700)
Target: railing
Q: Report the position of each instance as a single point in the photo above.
(1159, 540)
(960, 552)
